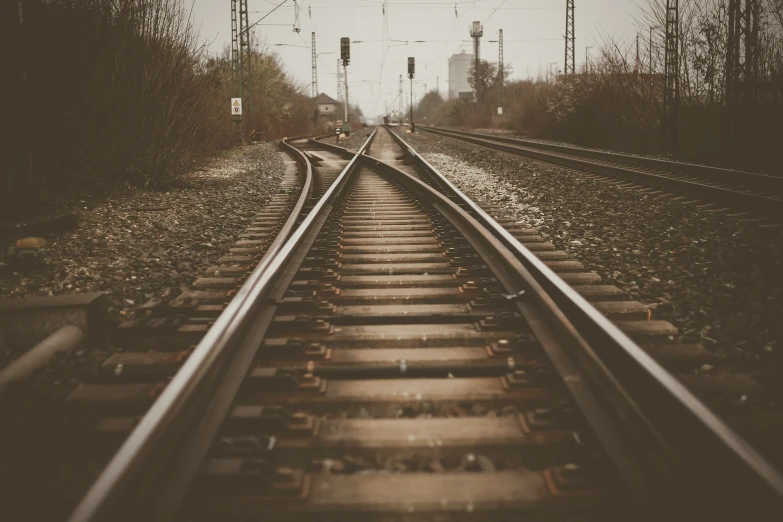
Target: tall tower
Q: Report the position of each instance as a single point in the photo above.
(671, 99)
(501, 72)
(315, 68)
(570, 48)
(476, 32)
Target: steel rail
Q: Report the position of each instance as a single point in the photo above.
(607, 162)
(148, 476)
(668, 418)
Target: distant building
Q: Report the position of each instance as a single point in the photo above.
(326, 111)
(459, 67)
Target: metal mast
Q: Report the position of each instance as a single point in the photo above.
(339, 82)
(671, 99)
(477, 31)
(246, 57)
(402, 110)
(501, 72)
(315, 68)
(236, 69)
(570, 48)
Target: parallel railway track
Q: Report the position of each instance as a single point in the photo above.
(399, 355)
(760, 194)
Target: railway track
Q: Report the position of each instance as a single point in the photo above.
(398, 355)
(758, 194)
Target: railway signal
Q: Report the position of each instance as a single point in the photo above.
(345, 50)
(411, 73)
(345, 55)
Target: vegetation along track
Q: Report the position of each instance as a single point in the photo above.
(760, 194)
(404, 357)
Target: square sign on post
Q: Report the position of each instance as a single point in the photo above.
(236, 106)
(411, 67)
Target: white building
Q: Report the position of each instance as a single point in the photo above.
(459, 67)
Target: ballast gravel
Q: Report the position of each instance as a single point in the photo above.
(138, 245)
(716, 278)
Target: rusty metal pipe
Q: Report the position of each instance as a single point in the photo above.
(66, 339)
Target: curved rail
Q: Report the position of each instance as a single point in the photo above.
(151, 474)
(180, 420)
(682, 439)
(753, 196)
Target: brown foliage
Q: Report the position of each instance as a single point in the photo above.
(124, 93)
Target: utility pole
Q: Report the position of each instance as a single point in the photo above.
(402, 106)
(411, 71)
(437, 84)
(587, 59)
(315, 68)
(570, 48)
(651, 54)
(636, 65)
(671, 99)
(501, 73)
(477, 31)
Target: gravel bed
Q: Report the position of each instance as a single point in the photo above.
(717, 279)
(136, 255)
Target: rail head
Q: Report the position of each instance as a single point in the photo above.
(696, 434)
(130, 477)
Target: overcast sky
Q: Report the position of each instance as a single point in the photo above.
(532, 29)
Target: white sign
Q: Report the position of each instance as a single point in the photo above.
(236, 106)
(500, 110)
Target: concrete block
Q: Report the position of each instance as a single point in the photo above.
(27, 321)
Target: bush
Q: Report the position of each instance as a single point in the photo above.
(124, 94)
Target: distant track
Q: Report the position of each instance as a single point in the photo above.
(757, 193)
